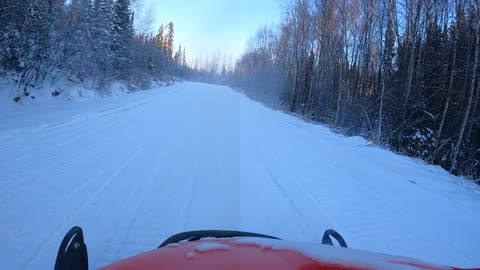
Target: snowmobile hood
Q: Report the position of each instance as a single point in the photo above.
(257, 253)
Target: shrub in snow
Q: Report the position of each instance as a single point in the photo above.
(419, 142)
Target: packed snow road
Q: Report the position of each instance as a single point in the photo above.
(136, 169)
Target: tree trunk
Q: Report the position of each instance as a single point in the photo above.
(339, 98)
(468, 135)
(378, 138)
(408, 84)
(450, 84)
(412, 39)
(472, 90)
(342, 75)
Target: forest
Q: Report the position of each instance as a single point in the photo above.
(88, 41)
(401, 73)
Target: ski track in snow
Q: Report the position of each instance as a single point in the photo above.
(137, 169)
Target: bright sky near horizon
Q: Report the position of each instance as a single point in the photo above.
(207, 27)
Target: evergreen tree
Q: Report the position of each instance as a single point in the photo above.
(178, 55)
(159, 38)
(87, 40)
(81, 39)
(122, 39)
(169, 40)
(33, 47)
(102, 28)
(184, 57)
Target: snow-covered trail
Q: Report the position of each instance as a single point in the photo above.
(136, 169)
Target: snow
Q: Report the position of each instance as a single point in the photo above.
(339, 256)
(133, 170)
(210, 246)
(191, 255)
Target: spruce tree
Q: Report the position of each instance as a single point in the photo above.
(159, 38)
(102, 39)
(169, 40)
(122, 39)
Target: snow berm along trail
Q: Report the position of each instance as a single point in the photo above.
(134, 170)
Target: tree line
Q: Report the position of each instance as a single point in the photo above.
(91, 41)
(401, 73)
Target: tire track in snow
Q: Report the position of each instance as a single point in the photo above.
(29, 136)
(122, 109)
(134, 200)
(23, 182)
(305, 191)
(54, 203)
(408, 216)
(366, 227)
(117, 244)
(145, 225)
(140, 197)
(187, 202)
(9, 136)
(342, 195)
(301, 220)
(58, 128)
(313, 199)
(112, 177)
(344, 191)
(40, 149)
(57, 232)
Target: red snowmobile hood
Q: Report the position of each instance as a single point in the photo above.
(261, 254)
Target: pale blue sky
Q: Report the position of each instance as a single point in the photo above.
(209, 26)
